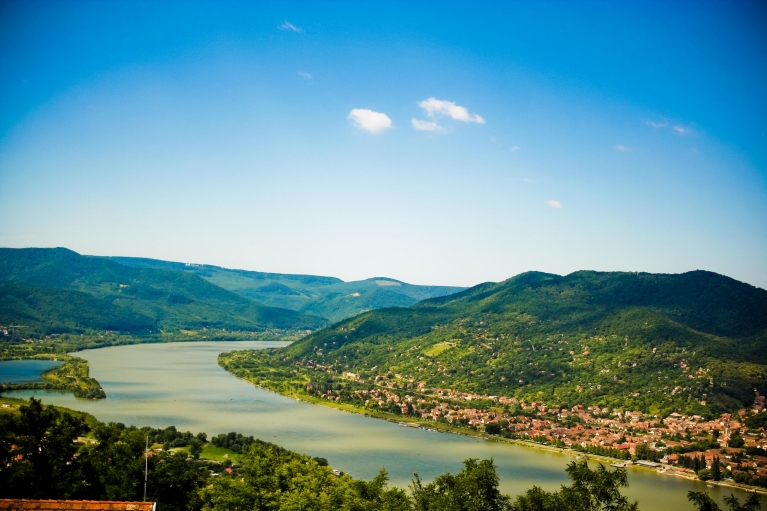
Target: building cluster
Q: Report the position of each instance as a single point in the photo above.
(590, 428)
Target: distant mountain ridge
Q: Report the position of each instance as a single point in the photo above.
(695, 341)
(327, 297)
(60, 291)
(44, 285)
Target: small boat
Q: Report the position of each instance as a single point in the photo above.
(618, 465)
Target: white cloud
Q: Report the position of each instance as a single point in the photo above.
(527, 180)
(426, 125)
(554, 204)
(306, 75)
(623, 148)
(436, 107)
(369, 120)
(286, 25)
(656, 124)
(682, 130)
(514, 148)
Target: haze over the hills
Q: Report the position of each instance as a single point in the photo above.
(327, 297)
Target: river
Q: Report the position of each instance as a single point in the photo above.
(25, 371)
(182, 384)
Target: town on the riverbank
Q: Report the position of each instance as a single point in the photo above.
(732, 446)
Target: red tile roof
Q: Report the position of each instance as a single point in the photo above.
(66, 505)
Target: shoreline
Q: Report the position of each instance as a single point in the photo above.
(668, 470)
(73, 375)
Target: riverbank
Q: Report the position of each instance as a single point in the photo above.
(181, 384)
(456, 430)
(73, 375)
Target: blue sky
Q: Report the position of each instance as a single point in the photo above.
(437, 143)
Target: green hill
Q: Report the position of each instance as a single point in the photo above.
(695, 341)
(327, 297)
(149, 299)
(37, 311)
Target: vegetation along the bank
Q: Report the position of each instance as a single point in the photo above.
(689, 343)
(73, 374)
(616, 364)
(53, 453)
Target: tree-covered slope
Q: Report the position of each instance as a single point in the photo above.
(36, 311)
(694, 341)
(327, 297)
(170, 299)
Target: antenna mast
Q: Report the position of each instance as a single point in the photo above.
(146, 464)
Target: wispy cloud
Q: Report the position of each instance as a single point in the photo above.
(623, 148)
(369, 120)
(286, 25)
(306, 75)
(426, 125)
(681, 129)
(437, 107)
(554, 204)
(514, 148)
(527, 180)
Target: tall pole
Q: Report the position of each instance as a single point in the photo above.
(146, 464)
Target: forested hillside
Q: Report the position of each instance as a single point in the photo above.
(693, 342)
(327, 297)
(58, 290)
(44, 311)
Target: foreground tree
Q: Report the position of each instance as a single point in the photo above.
(41, 458)
(39, 453)
(272, 479)
(704, 502)
(591, 490)
(475, 488)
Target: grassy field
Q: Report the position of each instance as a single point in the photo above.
(211, 452)
(10, 405)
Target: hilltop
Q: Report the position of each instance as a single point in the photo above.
(694, 342)
(326, 297)
(57, 290)
(60, 291)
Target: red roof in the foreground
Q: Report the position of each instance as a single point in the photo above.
(65, 505)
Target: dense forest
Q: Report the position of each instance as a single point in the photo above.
(693, 342)
(54, 291)
(50, 453)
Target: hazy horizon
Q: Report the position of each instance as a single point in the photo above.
(436, 143)
(370, 277)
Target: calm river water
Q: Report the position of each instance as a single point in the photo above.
(25, 371)
(181, 384)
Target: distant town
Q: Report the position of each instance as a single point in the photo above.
(688, 445)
